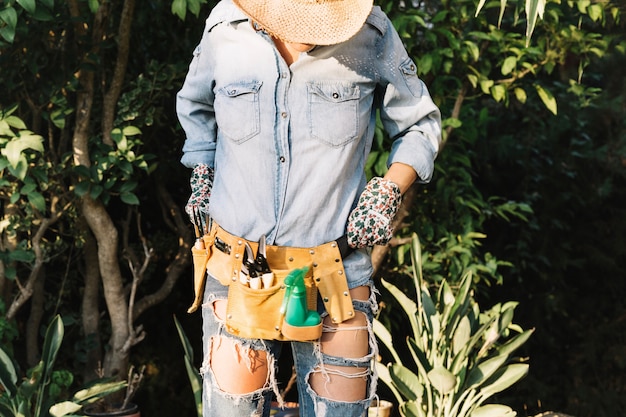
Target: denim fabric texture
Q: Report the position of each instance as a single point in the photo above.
(289, 144)
(307, 358)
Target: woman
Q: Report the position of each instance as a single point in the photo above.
(279, 109)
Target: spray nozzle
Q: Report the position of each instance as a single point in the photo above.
(294, 305)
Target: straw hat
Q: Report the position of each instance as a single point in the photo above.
(315, 22)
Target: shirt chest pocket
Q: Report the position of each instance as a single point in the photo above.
(333, 112)
(237, 110)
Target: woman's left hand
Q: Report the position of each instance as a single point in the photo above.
(369, 223)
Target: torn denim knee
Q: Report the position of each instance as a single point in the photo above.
(252, 403)
(318, 362)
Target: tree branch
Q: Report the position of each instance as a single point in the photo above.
(26, 290)
(115, 89)
(182, 259)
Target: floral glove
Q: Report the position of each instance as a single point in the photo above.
(369, 223)
(201, 183)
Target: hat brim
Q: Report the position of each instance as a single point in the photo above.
(315, 22)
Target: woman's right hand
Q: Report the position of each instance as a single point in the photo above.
(201, 182)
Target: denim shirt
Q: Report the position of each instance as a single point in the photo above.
(289, 143)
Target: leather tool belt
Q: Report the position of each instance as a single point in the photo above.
(254, 313)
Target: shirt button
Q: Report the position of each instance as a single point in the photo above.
(283, 114)
(283, 75)
(282, 159)
(335, 96)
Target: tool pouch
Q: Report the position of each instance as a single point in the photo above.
(200, 257)
(255, 313)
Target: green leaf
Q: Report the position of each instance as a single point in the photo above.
(461, 335)
(52, 343)
(82, 188)
(513, 344)
(94, 5)
(8, 376)
(451, 122)
(485, 370)
(509, 65)
(425, 64)
(503, 379)
(57, 116)
(384, 336)
(8, 33)
(493, 410)
(194, 6)
(548, 99)
(130, 198)
(179, 8)
(479, 7)
(20, 255)
(131, 131)
(498, 92)
(28, 5)
(37, 201)
(95, 191)
(520, 94)
(411, 409)
(19, 171)
(485, 85)
(13, 150)
(9, 16)
(98, 389)
(442, 379)
(385, 377)
(10, 272)
(128, 186)
(473, 49)
(64, 408)
(419, 356)
(595, 12)
(534, 10)
(15, 122)
(408, 305)
(30, 384)
(406, 381)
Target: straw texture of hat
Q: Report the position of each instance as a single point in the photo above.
(315, 22)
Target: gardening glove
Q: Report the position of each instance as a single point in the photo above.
(201, 182)
(369, 223)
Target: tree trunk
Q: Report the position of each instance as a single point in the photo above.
(106, 234)
(34, 319)
(91, 310)
(94, 212)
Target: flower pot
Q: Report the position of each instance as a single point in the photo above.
(290, 410)
(380, 408)
(132, 410)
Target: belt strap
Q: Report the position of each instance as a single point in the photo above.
(325, 260)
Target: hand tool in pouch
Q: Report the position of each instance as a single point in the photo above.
(249, 270)
(262, 267)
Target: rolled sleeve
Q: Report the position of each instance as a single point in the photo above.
(408, 113)
(194, 107)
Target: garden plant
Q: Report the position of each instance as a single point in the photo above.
(527, 196)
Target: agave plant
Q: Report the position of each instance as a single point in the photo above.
(194, 377)
(461, 356)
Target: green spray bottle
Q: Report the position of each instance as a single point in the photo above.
(294, 305)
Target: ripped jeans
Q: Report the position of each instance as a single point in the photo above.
(239, 375)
